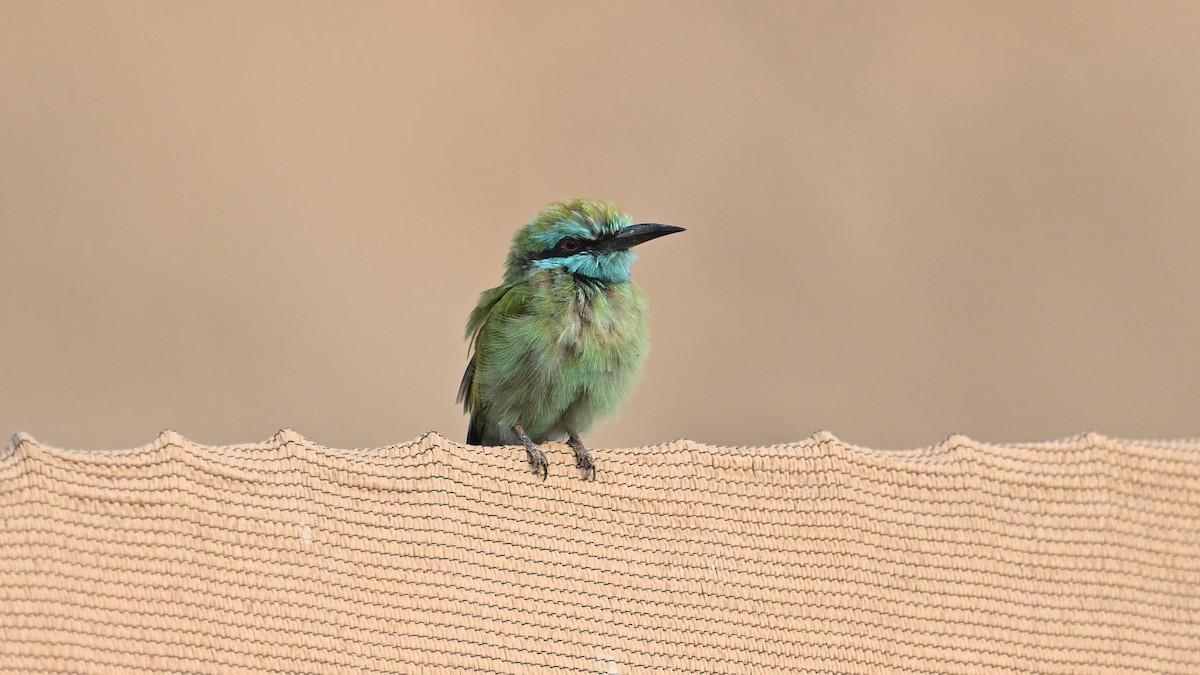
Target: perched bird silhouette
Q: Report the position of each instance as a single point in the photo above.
(561, 343)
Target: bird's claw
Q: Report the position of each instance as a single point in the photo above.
(537, 461)
(583, 459)
(588, 466)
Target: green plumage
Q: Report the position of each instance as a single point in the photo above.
(562, 342)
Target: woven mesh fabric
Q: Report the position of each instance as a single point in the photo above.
(1078, 556)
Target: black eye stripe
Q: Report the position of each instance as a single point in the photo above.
(581, 246)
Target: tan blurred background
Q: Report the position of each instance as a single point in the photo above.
(904, 219)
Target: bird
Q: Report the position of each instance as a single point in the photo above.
(562, 341)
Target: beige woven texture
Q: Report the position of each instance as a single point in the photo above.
(1080, 556)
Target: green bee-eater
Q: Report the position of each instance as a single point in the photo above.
(562, 341)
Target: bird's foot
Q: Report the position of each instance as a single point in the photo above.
(537, 459)
(583, 458)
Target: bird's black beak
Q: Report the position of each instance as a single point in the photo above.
(628, 237)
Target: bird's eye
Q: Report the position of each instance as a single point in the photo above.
(569, 245)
